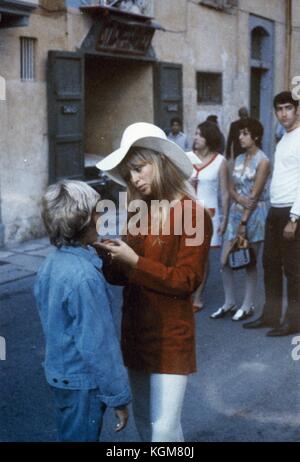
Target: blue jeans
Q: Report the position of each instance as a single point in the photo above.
(79, 415)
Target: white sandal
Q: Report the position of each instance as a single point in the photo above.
(240, 315)
(221, 312)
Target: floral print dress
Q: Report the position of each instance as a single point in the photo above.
(244, 180)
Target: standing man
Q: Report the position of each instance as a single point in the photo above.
(282, 240)
(234, 147)
(176, 135)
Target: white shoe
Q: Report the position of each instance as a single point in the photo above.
(240, 315)
(221, 312)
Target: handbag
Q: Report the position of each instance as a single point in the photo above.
(241, 254)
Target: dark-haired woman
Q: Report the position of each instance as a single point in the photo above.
(209, 178)
(247, 215)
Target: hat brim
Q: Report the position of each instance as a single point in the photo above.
(167, 147)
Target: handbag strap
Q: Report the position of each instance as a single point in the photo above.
(242, 242)
(237, 244)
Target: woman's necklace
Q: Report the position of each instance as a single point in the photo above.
(205, 156)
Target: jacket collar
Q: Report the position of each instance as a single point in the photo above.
(88, 252)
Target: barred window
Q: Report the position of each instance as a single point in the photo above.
(209, 88)
(28, 58)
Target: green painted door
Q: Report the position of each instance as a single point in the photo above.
(168, 101)
(66, 115)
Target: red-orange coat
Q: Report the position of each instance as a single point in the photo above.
(158, 331)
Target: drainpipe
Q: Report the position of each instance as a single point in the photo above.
(2, 149)
(1, 225)
(288, 42)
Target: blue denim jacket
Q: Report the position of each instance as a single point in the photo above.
(82, 348)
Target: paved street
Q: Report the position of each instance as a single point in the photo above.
(246, 388)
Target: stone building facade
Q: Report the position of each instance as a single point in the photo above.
(71, 79)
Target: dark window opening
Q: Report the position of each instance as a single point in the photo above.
(209, 88)
(259, 39)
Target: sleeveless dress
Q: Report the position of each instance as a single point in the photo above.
(244, 179)
(206, 181)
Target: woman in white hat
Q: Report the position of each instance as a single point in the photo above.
(160, 273)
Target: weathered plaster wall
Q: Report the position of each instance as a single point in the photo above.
(24, 162)
(204, 39)
(295, 71)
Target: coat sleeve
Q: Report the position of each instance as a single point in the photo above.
(185, 276)
(96, 340)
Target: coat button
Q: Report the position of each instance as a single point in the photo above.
(66, 382)
(55, 380)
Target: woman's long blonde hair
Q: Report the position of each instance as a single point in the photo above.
(168, 181)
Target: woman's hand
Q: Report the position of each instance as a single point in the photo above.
(247, 202)
(118, 251)
(242, 231)
(289, 231)
(122, 416)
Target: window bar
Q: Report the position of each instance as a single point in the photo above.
(27, 59)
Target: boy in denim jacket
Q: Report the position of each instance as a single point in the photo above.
(83, 362)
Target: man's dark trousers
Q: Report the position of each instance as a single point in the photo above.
(281, 257)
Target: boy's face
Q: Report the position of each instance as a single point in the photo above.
(287, 114)
(176, 128)
(91, 234)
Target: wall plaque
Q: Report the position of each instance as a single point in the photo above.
(128, 37)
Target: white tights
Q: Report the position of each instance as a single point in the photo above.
(251, 284)
(157, 405)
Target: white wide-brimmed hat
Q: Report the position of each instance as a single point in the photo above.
(145, 135)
